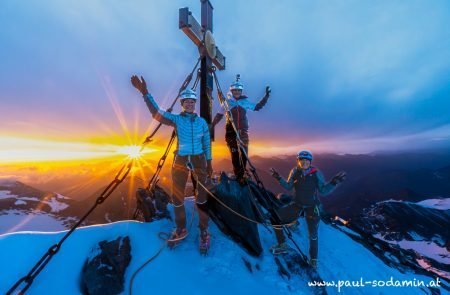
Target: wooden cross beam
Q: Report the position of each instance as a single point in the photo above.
(197, 33)
(201, 35)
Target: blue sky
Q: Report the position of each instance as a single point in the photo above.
(347, 76)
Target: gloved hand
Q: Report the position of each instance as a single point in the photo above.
(275, 174)
(139, 84)
(209, 168)
(268, 91)
(338, 178)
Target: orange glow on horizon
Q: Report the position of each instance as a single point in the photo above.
(23, 150)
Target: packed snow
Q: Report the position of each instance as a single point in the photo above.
(440, 204)
(183, 269)
(20, 202)
(6, 195)
(424, 248)
(54, 202)
(16, 220)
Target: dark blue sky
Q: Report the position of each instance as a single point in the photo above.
(347, 76)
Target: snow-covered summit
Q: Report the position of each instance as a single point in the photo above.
(222, 271)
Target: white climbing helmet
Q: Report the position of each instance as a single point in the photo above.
(188, 93)
(237, 85)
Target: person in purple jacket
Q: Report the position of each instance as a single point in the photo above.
(239, 105)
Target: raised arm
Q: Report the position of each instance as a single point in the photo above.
(287, 184)
(157, 113)
(263, 100)
(324, 187)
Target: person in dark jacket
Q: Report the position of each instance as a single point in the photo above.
(194, 146)
(238, 105)
(307, 181)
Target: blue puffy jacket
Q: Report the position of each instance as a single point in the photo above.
(192, 130)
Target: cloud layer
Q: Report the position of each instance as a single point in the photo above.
(342, 72)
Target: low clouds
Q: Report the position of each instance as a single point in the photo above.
(338, 70)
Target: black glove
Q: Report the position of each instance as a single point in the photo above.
(139, 84)
(338, 178)
(268, 90)
(275, 174)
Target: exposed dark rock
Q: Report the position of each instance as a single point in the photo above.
(240, 200)
(103, 272)
(409, 221)
(151, 205)
(293, 264)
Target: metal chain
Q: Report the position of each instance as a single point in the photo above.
(124, 171)
(154, 179)
(194, 175)
(170, 109)
(226, 107)
(45, 259)
(152, 183)
(197, 79)
(241, 149)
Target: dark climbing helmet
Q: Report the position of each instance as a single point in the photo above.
(305, 155)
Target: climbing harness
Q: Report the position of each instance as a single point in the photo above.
(166, 239)
(123, 172)
(241, 150)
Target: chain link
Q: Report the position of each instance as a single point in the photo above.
(119, 178)
(241, 149)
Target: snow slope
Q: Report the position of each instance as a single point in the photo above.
(440, 204)
(184, 269)
(16, 220)
(54, 202)
(27, 213)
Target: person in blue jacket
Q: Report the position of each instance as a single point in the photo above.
(307, 181)
(194, 146)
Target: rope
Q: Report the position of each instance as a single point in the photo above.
(45, 259)
(166, 238)
(231, 209)
(226, 107)
(154, 179)
(252, 168)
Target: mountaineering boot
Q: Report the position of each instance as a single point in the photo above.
(279, 249)
(177, 236)
(313, 263)
(204, 241)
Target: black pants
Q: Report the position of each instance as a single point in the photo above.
(239, 161)
(180, 175)
(312, 217)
